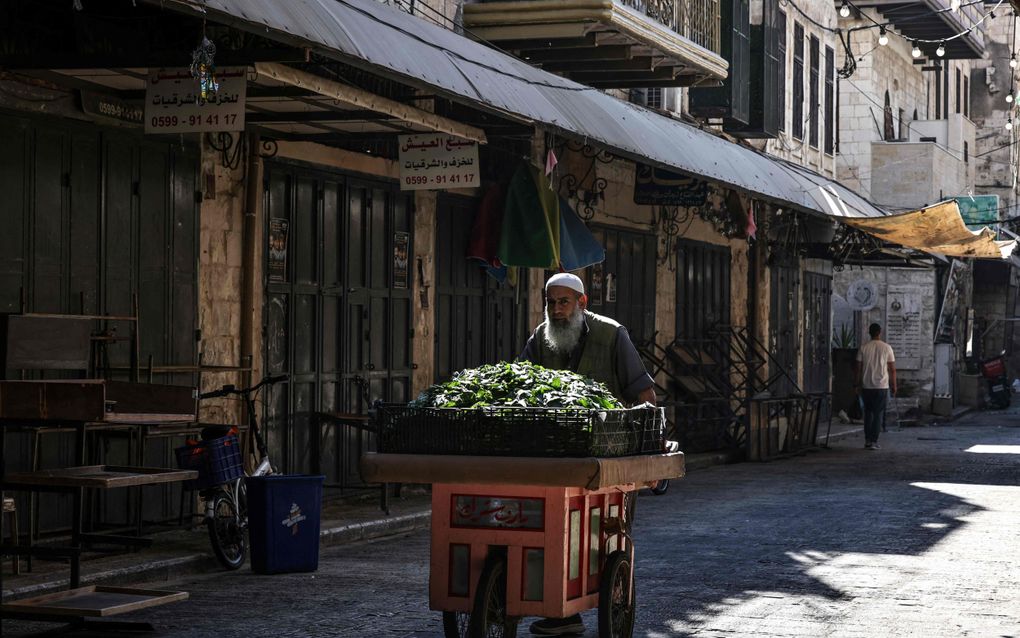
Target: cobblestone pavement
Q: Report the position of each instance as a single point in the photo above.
(921, 538)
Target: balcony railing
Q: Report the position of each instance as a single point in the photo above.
(696, 20)
(609, 43)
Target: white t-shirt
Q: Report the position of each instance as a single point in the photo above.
(874, 357)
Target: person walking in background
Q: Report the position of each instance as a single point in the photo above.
(875, 372)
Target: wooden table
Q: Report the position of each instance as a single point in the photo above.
(79, 604)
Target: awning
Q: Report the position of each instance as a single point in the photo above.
(936, 229)
(391, 42)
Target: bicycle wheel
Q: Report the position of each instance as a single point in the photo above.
(616, 598)
(488, 615)
(455, 624)
(660, 488)
(226, 531)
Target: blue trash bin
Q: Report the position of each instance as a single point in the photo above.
(283, 523)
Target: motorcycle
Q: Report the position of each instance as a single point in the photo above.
(994, 372)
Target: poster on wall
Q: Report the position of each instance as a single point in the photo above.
(903, 325)
(944, 327)
(610, 288)
(277, 267)
(401, 240)
(596, 285)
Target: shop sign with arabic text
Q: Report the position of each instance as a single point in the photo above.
(174, 103)
(658, 187)
(437, 161)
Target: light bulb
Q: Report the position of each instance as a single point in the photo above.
(1009, 125)
(883, 39)
(916, 52)
(1012, 61)
(1009, 97)
(954, 5)
(941, 51)
(844, 10)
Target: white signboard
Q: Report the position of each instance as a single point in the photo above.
(437, 160)
(174, 104)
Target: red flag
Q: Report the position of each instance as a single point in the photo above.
(550, 162)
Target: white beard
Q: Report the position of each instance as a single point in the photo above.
(563, 336)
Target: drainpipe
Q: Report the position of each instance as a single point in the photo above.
(249, 254)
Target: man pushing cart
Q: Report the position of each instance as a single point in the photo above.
(532, 507)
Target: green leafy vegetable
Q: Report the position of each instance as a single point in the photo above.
(521, 384)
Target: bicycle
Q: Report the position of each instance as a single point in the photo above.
(226, 511)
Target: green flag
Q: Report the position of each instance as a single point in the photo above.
(530, 234)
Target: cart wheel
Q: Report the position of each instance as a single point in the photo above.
(616, 598)
(660, 487)
(488, 615)
(455, 624)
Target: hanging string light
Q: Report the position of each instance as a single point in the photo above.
(1009, 124)
(1009, 97)
(1012, 61)
(941, 51)
(848, 7)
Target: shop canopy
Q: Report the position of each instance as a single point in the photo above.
(393, 43)
(936, 229)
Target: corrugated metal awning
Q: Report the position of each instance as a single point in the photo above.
(387, 40)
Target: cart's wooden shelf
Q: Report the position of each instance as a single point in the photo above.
(93, 601)
(97, 476)
(589, 473)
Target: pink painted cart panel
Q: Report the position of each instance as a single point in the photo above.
(560, 528)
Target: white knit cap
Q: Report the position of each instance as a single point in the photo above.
(566, 280)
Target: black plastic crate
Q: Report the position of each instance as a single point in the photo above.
(514, 431)
(217, 461)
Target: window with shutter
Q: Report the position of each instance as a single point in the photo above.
(770, 98)
(938, 94)
(781, 54)
(888, 131)
(813, 102)
(830, 120)
(731, 101)
(798, 81)
(966, 97)
(945, 93)
(959, 106)
(741, 61)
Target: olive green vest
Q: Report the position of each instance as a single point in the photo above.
(598, 359)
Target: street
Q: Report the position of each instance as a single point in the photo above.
(916, 539)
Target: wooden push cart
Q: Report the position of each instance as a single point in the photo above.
(522, 536)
